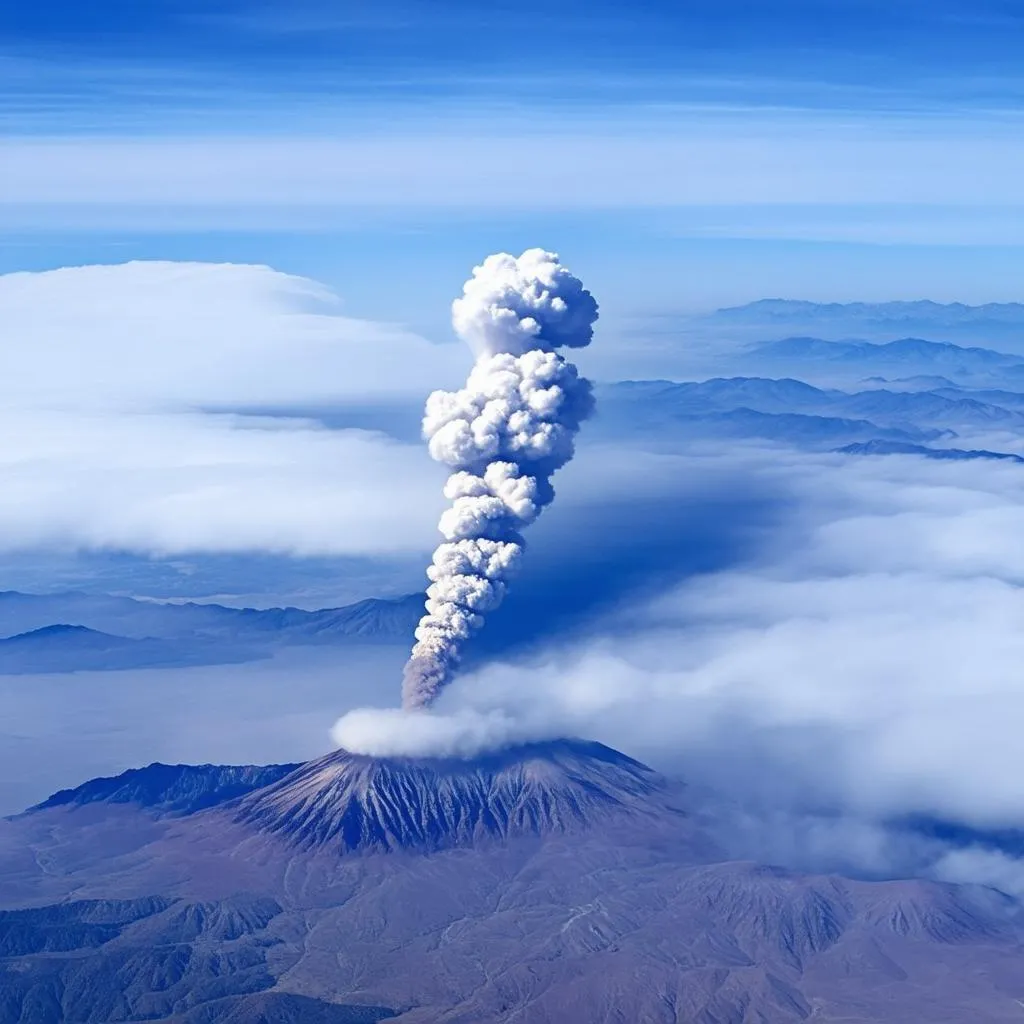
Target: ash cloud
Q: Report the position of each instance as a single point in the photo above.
(504, 434)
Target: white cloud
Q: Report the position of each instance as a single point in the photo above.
(106, 375)
(162, 335)
(984, 867)
(391, 732)
(167, 483)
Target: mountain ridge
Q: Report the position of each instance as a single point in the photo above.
(880, 447)
(899, 350)
(65, 647)
(898, 412)
(1012, 312)
(78, 632)
(22, 612)
(172, 789)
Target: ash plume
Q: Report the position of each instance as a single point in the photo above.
(504, 434)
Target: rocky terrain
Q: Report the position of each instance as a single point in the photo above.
(557, 882)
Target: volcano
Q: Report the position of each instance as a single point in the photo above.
(349, 802)
(557, 881)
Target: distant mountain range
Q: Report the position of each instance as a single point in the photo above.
(888, 312)
(904, 357)
(898, 353)
(66, 648)
(74, 631)
(559, 881)
(669, 413)
(130, 617)
(992, 323)
(795, 412)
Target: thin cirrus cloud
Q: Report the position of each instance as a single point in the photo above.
(664, 161)
(132, 398)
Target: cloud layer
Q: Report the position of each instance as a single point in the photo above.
(861, 665)
(132, 397)
(155, 335)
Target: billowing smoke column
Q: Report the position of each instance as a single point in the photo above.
(505, 433)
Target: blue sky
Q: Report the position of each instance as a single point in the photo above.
(963, 46)
(683, 155)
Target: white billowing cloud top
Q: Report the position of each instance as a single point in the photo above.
(518, 304)
(131, 398)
